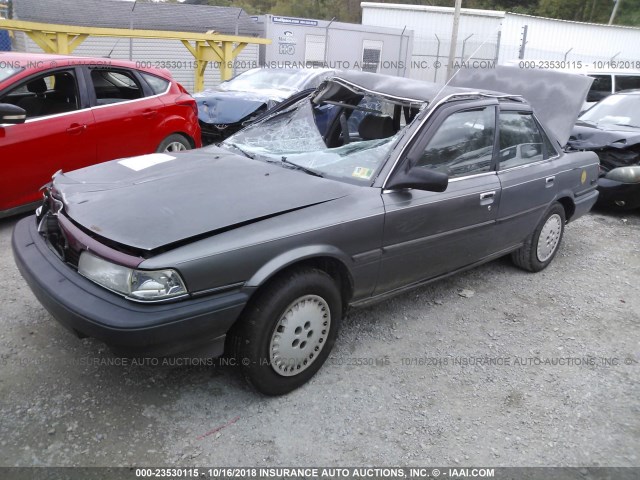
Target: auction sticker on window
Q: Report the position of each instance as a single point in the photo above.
(145, 161)
(362, 172)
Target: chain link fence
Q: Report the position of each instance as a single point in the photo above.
(5, 41)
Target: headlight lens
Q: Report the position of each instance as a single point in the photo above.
(625, 174)
(136, 284)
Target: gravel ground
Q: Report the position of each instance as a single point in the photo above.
(457, 373)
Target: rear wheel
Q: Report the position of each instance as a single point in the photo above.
(174, 143)
(288, 331)
(542, 245)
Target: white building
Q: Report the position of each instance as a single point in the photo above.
(498, 36)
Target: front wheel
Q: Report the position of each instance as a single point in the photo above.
(174, 143)
(542, 245)
(288, 331)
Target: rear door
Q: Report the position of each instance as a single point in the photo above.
(59, 134)
(428, 234)
(126, 115)
(527, 166)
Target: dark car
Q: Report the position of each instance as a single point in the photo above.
(224, 110)
(66, 112)
(258, 247)
(611, 128)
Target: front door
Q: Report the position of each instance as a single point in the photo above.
(58, 135)
(428, 234)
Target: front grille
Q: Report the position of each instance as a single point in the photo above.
(65, 248)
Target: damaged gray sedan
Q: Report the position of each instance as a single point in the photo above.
(257, 248)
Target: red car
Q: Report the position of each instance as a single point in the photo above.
(64, 113)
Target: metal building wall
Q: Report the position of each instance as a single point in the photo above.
(549, 39)
(478, 32)
(168, 54)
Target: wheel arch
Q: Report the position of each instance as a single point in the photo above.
(566, 200)
(327, 258)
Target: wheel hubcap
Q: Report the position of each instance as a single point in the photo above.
(549, 237)
(175, 147)
(300, 335)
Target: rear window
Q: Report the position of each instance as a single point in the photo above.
(601, 87)
(157, 84)
(627, 82)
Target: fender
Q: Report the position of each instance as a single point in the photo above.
(286, 259)
(172, 124)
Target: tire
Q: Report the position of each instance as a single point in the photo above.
(541, 246)
(288, 331)
(174, 143)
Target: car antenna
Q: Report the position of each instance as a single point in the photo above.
(114, 47)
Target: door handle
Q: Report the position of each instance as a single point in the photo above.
(549, 181)
(487, 195)
(149, 113)
(486, 198)
(76, 129)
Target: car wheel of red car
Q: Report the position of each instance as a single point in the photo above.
(174, 143)
(542, 245)
(287, 333)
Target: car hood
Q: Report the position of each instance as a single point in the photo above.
(228, 106)
(157, 200)
(556, 97)
(590, 136)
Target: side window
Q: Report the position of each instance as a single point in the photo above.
(521, 140)
(114, 86)
(158, 85)
(463, 145)
(627, 82)
(600, 88)
(46, 95)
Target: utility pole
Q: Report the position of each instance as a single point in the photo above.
(454, 38)
(131, 28)
(616, 4)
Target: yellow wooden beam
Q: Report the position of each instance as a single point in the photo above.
(206, 47)
(43, 41)
(77, 40)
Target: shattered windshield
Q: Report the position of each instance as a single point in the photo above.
(347, 140)
(623, 110)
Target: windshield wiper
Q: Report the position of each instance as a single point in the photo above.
(246, 154)
(626, 125)
(301, 168)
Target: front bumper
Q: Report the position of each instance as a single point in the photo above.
(195, 327)
(617, 194)
(212, 134)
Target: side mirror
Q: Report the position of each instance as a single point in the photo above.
(12, 114)
(420, 178)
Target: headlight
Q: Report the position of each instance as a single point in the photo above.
(625, 174)
(136, 284)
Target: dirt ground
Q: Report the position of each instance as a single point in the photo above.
(493, 367)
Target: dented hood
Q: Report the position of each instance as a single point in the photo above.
(589, 136)
(155, 200)
(556, 97)
(230, 106)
